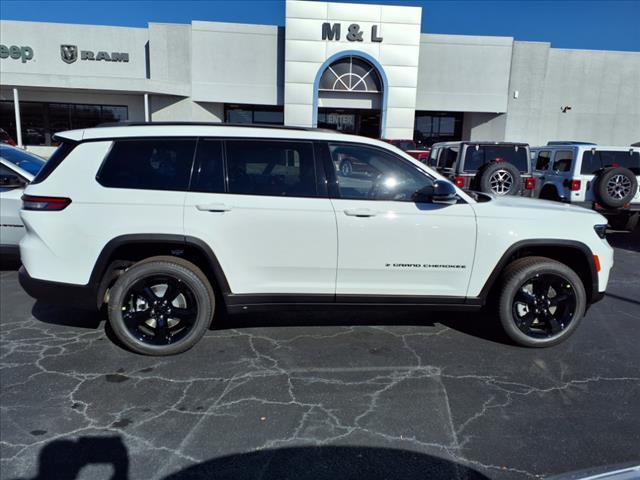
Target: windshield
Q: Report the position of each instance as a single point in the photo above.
(479, 155)
(405, 145)
(26, 161)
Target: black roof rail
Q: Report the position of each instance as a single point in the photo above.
(568, 142)
(213, 124)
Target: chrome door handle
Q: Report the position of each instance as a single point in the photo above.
(361, 212)
(213, 207)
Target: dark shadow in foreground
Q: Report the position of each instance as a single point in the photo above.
(64, 459)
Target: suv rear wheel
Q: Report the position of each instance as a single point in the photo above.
(161, 306)
(541, 302)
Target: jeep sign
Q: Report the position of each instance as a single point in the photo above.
(69, 54)
(23, 53)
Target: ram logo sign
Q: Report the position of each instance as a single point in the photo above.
(69, 54)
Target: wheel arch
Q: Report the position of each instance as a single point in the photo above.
(124, 250)
(549, 191)
(576, 255)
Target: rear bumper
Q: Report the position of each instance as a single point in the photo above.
(80, 296)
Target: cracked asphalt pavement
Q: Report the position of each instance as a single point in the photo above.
(364, 394)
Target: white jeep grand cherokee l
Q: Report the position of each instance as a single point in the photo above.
(170, 224)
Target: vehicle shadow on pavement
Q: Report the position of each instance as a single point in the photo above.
(67, 316)
(64, 459)
(482, 324)
(625, 240)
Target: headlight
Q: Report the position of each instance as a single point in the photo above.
(601, 230)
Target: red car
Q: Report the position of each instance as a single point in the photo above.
(411, 148)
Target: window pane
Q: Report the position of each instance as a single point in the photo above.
(85, 116)
(210, 174)
(479, 155)
(8, 119)
(371, 174)
(148, 164)
(59, 117)
(276, 118)
(271, 168)
(112, 113)
(562, 161)
(32, 119)
(543, 160)
(239, 116)
(594, 161)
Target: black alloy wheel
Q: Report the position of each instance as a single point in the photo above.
(159, 310)
(161, 306)
(544, 305)
(541, 301)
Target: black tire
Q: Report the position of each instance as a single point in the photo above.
(162, 332)
(545, 328)
(615, 187)
(500, 178)
(550, 193)
(624, 221)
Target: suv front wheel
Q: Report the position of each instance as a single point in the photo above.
(161, 306)
(541, 301)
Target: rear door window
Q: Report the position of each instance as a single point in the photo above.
(148, 164)
(543, 160)
(271, 167)
(448, 157)
(479, 155)
(593, 161)
(562, 161)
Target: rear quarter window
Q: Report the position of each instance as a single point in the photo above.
(148, 164)
(478, 156)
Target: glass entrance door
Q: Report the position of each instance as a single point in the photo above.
(348, 120)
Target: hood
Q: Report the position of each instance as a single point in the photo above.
(509, 206)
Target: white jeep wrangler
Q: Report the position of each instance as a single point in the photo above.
(592, 176)
(170, 224)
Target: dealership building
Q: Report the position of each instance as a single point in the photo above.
(364, 69)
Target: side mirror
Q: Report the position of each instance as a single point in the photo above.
(441, 191)
(11, 181)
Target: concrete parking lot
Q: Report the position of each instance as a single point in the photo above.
(300, 395)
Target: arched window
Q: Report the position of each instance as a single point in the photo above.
(350, 74)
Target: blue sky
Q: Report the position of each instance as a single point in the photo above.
(597, 25)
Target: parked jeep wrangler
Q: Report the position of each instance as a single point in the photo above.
(498, 168)
(169, 225)
(592, 176)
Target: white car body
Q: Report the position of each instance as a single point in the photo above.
(11, 227)
(274, 249)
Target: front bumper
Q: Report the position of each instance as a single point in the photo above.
(78, 296)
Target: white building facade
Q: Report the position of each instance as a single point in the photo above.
(364, 69)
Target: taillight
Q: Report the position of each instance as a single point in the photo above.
(530, 183)
(33, 202)
(575, 185)
(459, 181)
